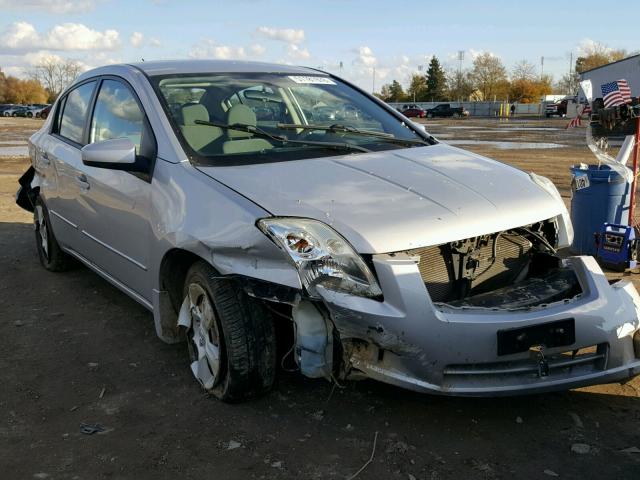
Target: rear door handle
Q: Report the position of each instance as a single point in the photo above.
(82, 181)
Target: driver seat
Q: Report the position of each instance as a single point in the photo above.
(243, 142)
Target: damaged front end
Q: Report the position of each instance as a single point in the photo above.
(496, 314)
(514, 269)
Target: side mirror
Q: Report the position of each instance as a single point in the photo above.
(116, 154)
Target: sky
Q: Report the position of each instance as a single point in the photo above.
(394, 38)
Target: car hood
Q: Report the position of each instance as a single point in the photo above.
(396, 199)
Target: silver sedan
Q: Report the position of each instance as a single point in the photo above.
(271, 214)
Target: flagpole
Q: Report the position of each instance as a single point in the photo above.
(636, 153)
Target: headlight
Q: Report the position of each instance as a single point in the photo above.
(322, 256)
(565, 228)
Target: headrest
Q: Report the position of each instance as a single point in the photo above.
(191, 113)
(243, 115)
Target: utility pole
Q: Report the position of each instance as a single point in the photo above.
(541, 67)
(459, 79)
(373, 82)
(570, 84)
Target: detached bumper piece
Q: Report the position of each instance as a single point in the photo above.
(25, 198)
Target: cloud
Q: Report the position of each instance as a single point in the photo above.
(288, 35)
(257, 50)
(297, 53)
(23, 37)
(210, 49)
(365, 57)
(49, 6)
(136, 39)
(154, 42)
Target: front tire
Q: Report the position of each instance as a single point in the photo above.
(231, 337)
(49, 252)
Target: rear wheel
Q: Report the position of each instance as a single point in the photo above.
(231, 337)
(49, 252)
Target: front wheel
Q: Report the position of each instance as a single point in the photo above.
(231, 337)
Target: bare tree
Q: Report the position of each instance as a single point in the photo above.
(489, 77)
(524, 70)
(55, 74)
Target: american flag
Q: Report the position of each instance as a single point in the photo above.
(616, 93)
(577, 121)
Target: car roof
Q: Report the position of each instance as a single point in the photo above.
(177, 67)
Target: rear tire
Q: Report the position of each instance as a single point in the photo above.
(231, 340)
(49, 252)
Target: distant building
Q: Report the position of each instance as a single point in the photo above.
(628, 69)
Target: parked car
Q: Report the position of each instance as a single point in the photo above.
(22, 111)
(446, 110)
(414, 112)
(382, 252)
(8, 112)
(44, 113)
(4, 107)
(556, 108)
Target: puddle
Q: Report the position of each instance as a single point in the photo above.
(14, 151)
(528, 129)
(506, 145)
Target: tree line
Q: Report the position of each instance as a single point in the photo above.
(488, 80)
(46, 81)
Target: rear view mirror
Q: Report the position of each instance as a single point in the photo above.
(116, 154)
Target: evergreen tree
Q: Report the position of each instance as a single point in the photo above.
(436, 81)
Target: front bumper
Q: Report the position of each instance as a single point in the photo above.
(408, 341)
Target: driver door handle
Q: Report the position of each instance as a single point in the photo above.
(82, 181)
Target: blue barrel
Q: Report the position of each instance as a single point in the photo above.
(600, 195)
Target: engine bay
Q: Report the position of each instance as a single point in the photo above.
(511, 269)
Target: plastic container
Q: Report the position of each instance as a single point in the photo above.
(600, 195)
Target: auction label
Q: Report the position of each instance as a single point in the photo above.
(312, 80)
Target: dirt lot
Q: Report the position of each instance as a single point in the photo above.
(75, 350)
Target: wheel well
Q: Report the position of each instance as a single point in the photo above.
(173, 271)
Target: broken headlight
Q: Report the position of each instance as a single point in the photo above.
(322, 256)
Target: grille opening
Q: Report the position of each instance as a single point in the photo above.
(579, 361)
(511, 269)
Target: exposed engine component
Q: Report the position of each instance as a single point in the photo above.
(457, 271)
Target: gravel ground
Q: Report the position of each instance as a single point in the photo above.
(75, 350)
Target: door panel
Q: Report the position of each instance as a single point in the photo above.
(115, 224)
(59, 161)
(115, 203)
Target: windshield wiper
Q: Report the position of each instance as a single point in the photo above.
(279, 138)
(348, 129)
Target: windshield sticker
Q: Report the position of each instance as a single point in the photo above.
(312, 80)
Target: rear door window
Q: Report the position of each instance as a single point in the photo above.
(74, 115)
(117, 115)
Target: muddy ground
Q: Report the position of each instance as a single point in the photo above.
(75, 350)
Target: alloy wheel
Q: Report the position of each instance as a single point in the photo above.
(204, 337)
(41, 226)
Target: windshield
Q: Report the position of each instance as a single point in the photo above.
(249, 118)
